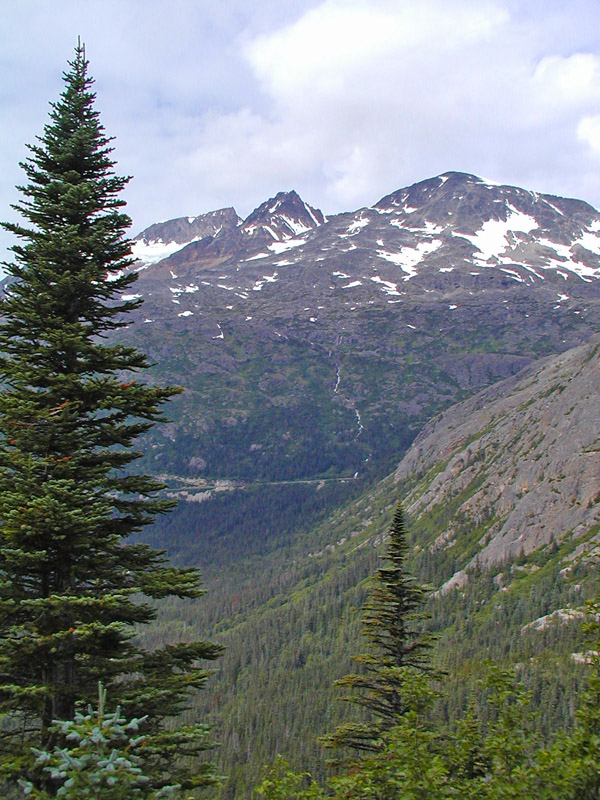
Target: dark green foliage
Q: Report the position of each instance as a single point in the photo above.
(396, 648)
(100, 760)
(570, 768)
(390, 612)
(246, 522)
(421, 759)
(290, 619)
(70, 410)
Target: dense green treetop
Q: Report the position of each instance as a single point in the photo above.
(395, 646)
(71, 408)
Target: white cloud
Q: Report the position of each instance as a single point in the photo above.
(341, 39)
(588, 131)
(219, 104)
(363, 96)
(568, 81)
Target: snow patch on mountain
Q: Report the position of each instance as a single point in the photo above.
(388, 287)
(151, 252)
(258, 285)
(280, 247)
(428, 227)
(409, 257)
(590, 241)
(534, 271)
(513, 274)
(494, 236)
(355, 227)
(488, 182)
(562, 250)
(295, 225)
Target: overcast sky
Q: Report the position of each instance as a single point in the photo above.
(226, 102)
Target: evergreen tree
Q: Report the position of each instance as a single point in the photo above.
(395, 646)
(71, 408)
(100, 759)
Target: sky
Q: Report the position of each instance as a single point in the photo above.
(218, 103)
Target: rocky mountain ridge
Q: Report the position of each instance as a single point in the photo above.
(435, 226)
(222, 233)
(349, 333)
(165, 238)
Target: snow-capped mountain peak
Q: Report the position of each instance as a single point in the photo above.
(163, 239)
(452, 236)
(492, 225)
(282, 217)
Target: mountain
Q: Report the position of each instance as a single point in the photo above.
(210, 236)
(313, 350)
(434, 227)
(165, 238)
(440, 346)
(332, 365)
(282, 218)
(349, 333)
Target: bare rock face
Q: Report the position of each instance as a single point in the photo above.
(283, 217)
(523, 455)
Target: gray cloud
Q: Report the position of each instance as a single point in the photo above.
(225, 103)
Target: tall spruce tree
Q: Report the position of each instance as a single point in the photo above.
(395, 645)
(71, 408)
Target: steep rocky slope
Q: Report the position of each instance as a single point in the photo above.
(522, 457)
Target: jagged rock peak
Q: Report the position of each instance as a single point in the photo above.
(283, 216)
(184, 229)
(162, 239)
